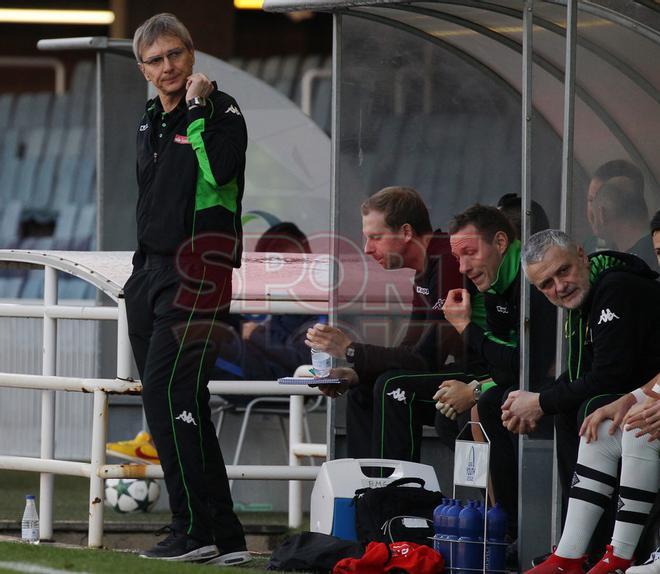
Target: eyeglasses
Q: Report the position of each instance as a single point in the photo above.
(157, 61)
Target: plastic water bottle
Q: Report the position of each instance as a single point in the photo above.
(496, 553)
(443, 546)
(469, 553)
(452, 531)
(481, 507)
(30, 521)
(321, 361)
(437, 525)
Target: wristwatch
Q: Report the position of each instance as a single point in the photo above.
(196, 102)
(350, 353)
(476, 392)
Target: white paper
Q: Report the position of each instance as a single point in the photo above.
(471, 463)
(311, 381)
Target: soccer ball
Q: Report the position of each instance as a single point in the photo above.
(131, 494)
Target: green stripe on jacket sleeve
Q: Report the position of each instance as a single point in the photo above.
(207, 191)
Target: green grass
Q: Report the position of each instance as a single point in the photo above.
(72, 496)
(134, 530)
(69, 503)
(105, 561)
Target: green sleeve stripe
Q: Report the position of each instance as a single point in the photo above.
(500, 341)
(488, 385)
(207, 192)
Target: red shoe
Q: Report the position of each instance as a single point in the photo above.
(610, 564)
(558, 565)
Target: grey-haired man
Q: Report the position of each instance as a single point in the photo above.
(191, 145)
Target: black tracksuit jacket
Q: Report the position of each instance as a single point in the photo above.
(429, 337)
(497, 343)
(190, 173)
(614, 338)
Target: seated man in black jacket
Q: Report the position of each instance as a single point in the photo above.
(391, 388)
(483, 240)
(613, 333)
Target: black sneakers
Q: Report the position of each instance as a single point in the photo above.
(181, 547)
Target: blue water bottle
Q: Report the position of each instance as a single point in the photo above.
(452, 532)
(443, 545)
(481, 507)
(437, 525)
(468, 555)
(496, 547)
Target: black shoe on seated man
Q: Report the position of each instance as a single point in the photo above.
(180, 547)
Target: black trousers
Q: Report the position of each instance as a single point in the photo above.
(386, 420)
(175, 346)
(503, 454)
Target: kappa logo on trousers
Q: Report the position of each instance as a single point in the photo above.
(186, 417)
(398, 395)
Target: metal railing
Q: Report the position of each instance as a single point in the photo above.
(96, 469)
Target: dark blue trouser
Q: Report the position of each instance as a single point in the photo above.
(175, 347)
(386, 420)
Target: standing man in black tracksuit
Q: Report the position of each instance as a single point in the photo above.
(613, 332)
(391, 391)
(483, 241)
(191, 145)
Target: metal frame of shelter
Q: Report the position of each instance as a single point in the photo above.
(639, 20)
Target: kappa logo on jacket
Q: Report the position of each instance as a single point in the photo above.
(607, 315)
(438, 305)
(398, 395)
(502, 309)
(186, 417)
(422, 290)
(232, 110)
(143, 127)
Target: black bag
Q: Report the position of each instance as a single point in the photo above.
(375, 509)
(313, 552)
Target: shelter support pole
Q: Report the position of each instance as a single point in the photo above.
(525, 206)
(566, 215)
(295, 437)
(48, 368)
(96, 482)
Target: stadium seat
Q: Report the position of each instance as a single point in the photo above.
(64, 230)
(309, 63)
(10, 224)
(31, 110)
(6, 101)
(270, 71)
(9, 163)
(286, 81)
(85, 228)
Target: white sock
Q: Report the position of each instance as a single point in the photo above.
(593, 483)
(639, 487)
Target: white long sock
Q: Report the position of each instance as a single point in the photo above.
(593, 483)
(639, 487)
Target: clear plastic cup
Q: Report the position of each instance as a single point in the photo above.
(322, 363)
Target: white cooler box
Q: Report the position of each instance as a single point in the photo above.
(331, 508)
